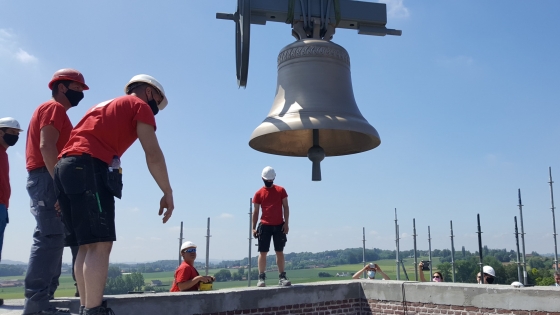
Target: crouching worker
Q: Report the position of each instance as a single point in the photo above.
(186, 276)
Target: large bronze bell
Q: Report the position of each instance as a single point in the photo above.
(314, 113)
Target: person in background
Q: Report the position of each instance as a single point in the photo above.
(372, 269)
(9, 135)
(274, 224)
(187, 277)
(436, 277)
(489, 275)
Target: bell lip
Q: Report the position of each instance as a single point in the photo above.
(271, 142)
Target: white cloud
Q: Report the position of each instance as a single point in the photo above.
(10, 48)
(396, 9)
(25, 57)
(373, 232)
(225, 216)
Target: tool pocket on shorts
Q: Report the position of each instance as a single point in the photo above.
(114, 183)
(99, 219)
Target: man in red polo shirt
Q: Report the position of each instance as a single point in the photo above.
(48, 132)
(274, 224)
(88, 176)
(187, 277)
(9, 135)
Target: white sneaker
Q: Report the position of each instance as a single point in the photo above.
(261, 283)
(284, 282)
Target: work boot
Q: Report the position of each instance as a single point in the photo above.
(261, 283)
(53, 311)
(100, 310)
(81, 310)
(283, 281)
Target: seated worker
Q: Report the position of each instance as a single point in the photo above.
(371, 269)
(437, 276)
(186, 276)
(489, 275)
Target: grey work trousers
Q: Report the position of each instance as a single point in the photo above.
(43, 271)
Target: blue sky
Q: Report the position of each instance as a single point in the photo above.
(465, 101)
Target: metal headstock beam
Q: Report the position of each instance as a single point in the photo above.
(366, 17)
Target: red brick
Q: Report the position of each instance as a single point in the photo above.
(538, 313)
(458, 308)
(521, 313)
(502, 311)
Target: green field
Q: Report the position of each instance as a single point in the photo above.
(66, 287)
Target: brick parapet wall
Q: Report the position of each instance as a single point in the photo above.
(349, 306)
(375, 307)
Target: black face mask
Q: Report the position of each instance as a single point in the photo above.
(153, 106)
(10, 139)
(490, 280)
(74, 97)
(268, 184)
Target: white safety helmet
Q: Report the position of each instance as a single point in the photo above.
(9, 122)
(151, 81)
(489, 270)
(268, 173)
(517, 284)
(187, 244)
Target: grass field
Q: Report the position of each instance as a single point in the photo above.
(66, 287)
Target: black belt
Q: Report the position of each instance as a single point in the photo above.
(39, 170)
(79, 154)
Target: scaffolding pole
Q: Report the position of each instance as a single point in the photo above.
(415, 250)
(250, 240)
(553, 220)
(452, 253)
(522, 237)
(180, 244)
(207, 246)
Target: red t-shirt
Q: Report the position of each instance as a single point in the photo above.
(185, 272)
(109, 128)
(5, 190)
(48, 113)
(270, 200)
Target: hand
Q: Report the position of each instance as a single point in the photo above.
(420, 265)
(285, 228)
(206, 279)
(377, 268)
(57, 208)
(255, 233)
(166, 202)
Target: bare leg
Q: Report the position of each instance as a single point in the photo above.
(280, 261)
(96, 266)
(79, 273)
(262, 262)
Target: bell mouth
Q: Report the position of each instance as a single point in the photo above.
(298, 142)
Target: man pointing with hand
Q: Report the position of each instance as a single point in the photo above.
(88, 176)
